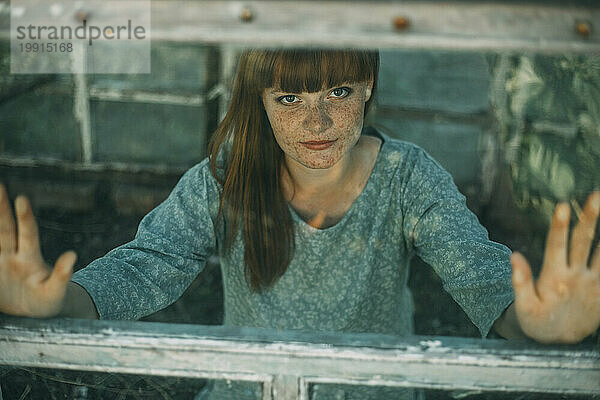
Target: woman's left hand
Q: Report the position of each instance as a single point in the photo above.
(563, 305)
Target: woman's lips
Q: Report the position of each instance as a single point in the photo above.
(318, 144)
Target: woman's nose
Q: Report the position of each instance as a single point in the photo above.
(317, 120)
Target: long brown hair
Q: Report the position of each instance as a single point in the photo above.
(252, 192)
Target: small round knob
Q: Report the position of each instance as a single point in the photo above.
(401, 23)
(82, 15)
(246, 14)
(583, 28)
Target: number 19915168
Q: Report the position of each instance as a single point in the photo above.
(46, 47)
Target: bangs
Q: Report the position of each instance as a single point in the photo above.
(304, 70)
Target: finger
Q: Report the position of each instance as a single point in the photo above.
(62, 271)
(583, 234)
(595, 263)
(526, 297)
(556, 244)
(28, 241)
(8, 239)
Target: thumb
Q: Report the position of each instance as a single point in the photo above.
(63, 269)
(525, 295)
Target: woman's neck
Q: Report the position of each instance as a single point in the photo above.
(322, 197)
(309, 182)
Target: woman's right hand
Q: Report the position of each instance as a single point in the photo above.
(28, 286)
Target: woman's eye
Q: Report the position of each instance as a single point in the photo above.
(340, 92)
(287, 99)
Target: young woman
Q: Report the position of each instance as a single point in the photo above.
(315, 219)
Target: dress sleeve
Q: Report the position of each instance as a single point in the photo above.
(445, 234)
(169, 250)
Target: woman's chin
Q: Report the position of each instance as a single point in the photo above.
(322, 163)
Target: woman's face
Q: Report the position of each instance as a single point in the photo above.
(317, 129)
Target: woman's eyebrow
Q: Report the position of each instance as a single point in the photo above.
(277, 91)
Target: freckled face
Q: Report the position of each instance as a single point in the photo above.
(317, 129)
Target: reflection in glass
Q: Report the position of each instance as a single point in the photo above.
(39, 383)
(517, 132)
